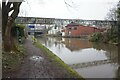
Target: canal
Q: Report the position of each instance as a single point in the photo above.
(90, 60)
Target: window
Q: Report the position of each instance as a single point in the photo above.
(75, 28)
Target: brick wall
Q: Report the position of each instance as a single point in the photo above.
(80, 30)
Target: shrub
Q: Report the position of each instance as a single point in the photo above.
(96, 37)
(18, 32)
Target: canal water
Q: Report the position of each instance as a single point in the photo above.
(90, 60)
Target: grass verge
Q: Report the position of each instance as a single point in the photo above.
(12, 60)
(56, 60)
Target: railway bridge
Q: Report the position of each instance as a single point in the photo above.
(62, 22)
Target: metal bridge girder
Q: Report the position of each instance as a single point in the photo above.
(36, 20)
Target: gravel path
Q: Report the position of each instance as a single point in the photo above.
(37, 65)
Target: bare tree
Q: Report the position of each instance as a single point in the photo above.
(0, 17)
(118, 23)
(112, 14)
(7, 21)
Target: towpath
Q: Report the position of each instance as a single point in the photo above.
(37, 65)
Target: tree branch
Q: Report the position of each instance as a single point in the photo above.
(16, 6)
(67, 4)
(11, 9)
(9, 4)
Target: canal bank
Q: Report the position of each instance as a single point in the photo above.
(40, 64)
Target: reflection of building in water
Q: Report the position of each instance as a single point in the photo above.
(52, 41)
(77, 44)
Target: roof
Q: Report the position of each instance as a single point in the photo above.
(73, 24)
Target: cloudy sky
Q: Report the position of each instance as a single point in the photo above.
(78, 9)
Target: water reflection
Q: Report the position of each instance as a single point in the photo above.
(77, 44)
(81, 51)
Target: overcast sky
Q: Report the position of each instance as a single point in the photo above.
(80, 9)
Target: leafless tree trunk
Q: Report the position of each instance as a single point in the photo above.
(7, 22)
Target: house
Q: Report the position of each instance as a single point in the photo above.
(55, 30)
(77, 30)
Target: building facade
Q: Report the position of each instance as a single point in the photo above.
(77, 30)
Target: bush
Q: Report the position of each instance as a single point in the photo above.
(96, 37)
(18, 32)
(111, 36)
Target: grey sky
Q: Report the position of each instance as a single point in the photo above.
(81, 9)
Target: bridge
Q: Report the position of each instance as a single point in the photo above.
(37, 32)
(63, 22)
(92, 63)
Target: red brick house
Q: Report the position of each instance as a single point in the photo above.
(77, 30)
